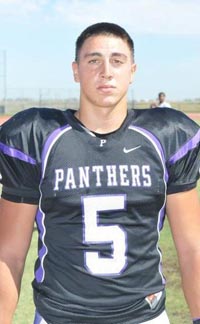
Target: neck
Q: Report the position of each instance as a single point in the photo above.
(103, 121)
(100, 119)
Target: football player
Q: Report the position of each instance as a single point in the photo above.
(98, 182)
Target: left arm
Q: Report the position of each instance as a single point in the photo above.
(183, 211)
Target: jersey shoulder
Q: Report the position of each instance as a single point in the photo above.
(164, 121)
(28, 129)
(30, 118)
(165, 118)
(171, 127)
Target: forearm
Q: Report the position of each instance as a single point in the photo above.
(16, 228)
(9, 290)
(183, 210)
(190, 273)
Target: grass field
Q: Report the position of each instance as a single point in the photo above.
(176, 306)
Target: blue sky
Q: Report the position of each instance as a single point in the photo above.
(38, 38)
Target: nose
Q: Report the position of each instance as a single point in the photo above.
(106, 70)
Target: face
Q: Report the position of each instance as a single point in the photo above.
(104, 70)
(162, 98)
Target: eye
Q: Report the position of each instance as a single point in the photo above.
(117, 61)
(93, 61)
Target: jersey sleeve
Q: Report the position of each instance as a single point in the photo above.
(184, 160)
(19, 158)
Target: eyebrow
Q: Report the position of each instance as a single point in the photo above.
(114, 54)
(92, 54)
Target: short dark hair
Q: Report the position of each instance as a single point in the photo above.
(161, 94)
(103, 28)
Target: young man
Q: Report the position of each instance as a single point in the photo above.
(98, 181)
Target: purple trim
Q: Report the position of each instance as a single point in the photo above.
(40, 272)
(192, 143)
(196, 320)
(157, 144)
(39, 319)
(10, 151)
(50, 140)
(162, 218)
(162, 210)
(160, 226)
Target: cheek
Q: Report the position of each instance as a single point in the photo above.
(88, 77)
(88, 82)
(125, 78)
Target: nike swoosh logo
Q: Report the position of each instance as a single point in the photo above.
(125, 150)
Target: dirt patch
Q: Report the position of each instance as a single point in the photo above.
(195, 116)
(3, 119)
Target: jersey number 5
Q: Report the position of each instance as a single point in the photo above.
(102, 234)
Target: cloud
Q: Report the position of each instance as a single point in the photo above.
(161, 17)
(20, 8)
(179, 17)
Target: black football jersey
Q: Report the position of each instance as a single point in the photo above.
(101, 207)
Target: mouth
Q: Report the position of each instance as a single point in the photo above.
(106, 88)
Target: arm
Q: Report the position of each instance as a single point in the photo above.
(16, 227)
(183, 210)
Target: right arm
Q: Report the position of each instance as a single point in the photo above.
(16, 228)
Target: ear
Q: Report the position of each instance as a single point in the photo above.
(75, 71)
(133, 69)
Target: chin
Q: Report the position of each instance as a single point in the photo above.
(107, 104)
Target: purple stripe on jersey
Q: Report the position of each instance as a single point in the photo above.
(162, 218)
(160, 226)
(161, 272)
(161, 214)
(157, 145)
(38, 319)
(50, 140)
(16, 153)
(191, 144)
(40, 272)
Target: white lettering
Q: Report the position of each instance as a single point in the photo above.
(102, 142)
(70, 180)
(112, 175)
(59, 177)
(135, 170)
(97, 169)
(123, 176)
(146, 175)
(97, 175)
(84, 177)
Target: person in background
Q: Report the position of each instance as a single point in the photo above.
(98, 182)
(162, 103)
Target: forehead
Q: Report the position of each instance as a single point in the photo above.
(104, 45)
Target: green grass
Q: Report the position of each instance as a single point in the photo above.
(25, 310)
(176, 306)
(175, 303)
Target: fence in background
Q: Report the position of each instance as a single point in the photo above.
(20, 99)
